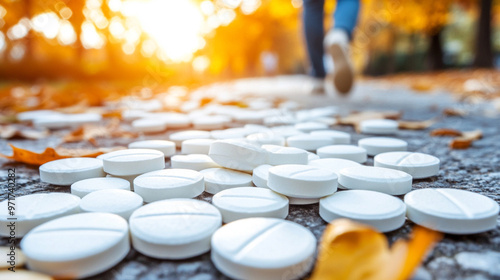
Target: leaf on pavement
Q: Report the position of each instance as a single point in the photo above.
(13, 131)
(91, 133)
(50, 154)
(450, 112)
(416, 125)
(445, 132)
(353, 251)
(464, 141)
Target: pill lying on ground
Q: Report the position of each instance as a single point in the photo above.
(194, 162)
(381, 126)
(87, 244)
(196, 146)
(239, 155)
(84, 187)
(174, 228)
(285, 155)
(349, 152)
(115, 201)
(378, 145)
(378, 179)
(66, 171)
(166, 147)
(133, 161)
(263, 248)
(218, 179)
(338, 137)
(418, 165)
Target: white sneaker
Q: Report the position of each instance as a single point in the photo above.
(337, 46)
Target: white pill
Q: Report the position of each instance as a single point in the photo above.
(65, 172)
(84, 187)
(174, 228)
(66, 120)
(379, 210)
(263, 248)
(256, 128)
(129, 178)
(378, 179)
(196, 146)
(249, 202)
(418, 165)
(349, 152)
(149, 125)
(312, 156)
(266, 138)
(302, 201)
(211, 122)
(29, 116)
(130, 115)
(115, 201)
(218, 179)
(179, 137)
(452, 211)
(169, 183)
(77, 246)
(133, 161)
(166, 147)
(310, 126)
(309, 142)
(237, 154)
(334, 164)
(194, 162)
(378, 145)
(260, 175)
(35, 209)
(285, 155)
(379, 126)
(302, 181)
(339, 137)
(175, 120)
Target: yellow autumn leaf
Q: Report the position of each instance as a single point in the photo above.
(353, 251)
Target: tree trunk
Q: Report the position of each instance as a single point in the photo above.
(435, 52)
(484, 53)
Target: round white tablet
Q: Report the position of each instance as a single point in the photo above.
(418, 165)
(35, 209)
(211, 122)
(266, 138)
(378, 179)
(174, 228)
(312, 156)
(33, 115)
(179, 137)
(77, 246)
(378, 145)
(334, 164)
(196, 146)
(260, 175)
(309, 142)
(133, 161)
(169, 183)
(218, 179)
(237, 154)
(302, 201)
(115, 201)
(194, 162)
(263, 248)
(66, 171)
(286, 130)
(310, 126)
(66, 120)
(302, 181)
(129, 178)
(84, 187)
(348, 152)
(230, 133)
(379, 210)
(166, 147)
(175, 120)
(149, 125)
(248, 202)
(452, 211)
(285, 155)
(339, 137)
(379, 126)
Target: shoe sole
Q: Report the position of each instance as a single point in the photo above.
(343, 76)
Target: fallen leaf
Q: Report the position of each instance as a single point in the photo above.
(446, 132)
(50, 154)
(91, 133)
(465, 141)
(422, 85)
(450, 112)
(353, 251)
(416, 125)
(13, 131)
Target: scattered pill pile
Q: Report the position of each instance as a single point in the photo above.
(254, 172)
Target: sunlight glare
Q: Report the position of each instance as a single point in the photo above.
(67, 34)
(175, 26)
(46, 23)
(89, 36)
(2, 42)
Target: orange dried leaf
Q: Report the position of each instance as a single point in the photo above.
(446, 132)
(416, 125)
(465, 141)
(353, 251)
(50, 154)
(454, 112)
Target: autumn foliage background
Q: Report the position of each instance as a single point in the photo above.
(160, 43)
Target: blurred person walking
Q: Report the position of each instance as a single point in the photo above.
(335, 42)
